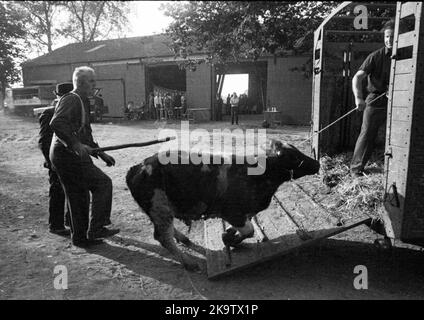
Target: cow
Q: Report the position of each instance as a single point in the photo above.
(194, 191)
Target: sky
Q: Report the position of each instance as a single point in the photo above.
(147, 19)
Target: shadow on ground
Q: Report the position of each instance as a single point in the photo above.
(323, 271)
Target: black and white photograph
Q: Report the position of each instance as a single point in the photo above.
(223, 152)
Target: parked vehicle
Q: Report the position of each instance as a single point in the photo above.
(24, 100)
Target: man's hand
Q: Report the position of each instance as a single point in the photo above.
(360, 104)
(82, 150)
(107, 159)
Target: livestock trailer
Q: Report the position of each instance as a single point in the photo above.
(339, 48)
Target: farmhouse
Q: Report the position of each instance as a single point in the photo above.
(129, 68)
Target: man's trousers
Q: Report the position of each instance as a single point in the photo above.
(57, 203)
(80, 178)
(372, 119)
(234, 115)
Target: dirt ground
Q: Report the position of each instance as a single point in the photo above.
(132, 265)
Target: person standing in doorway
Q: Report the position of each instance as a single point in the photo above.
(234, 101)
(228, 105)
(376, 70)
(151, 102)
(157, 105)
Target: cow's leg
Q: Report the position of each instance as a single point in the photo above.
(162, 217)
(181, 237)
(238, 232)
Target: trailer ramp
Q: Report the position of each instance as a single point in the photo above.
(298, 222)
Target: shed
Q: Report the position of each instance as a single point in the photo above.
(128, 68)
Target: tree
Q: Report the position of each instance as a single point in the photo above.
(41, 17)
(52, 22)
(91, 20)
(229, 31)
(11, 31)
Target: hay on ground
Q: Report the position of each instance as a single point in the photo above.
(354, 193)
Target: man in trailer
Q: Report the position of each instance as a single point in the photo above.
(376, 70)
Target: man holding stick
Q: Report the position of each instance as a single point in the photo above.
(70, 153)
(376, 69)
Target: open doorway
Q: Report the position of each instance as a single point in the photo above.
(247, 79)
(169, 78)
(238, 83)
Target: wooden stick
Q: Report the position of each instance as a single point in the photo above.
(131, 145)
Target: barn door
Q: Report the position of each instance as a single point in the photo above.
(113, 95)
(316, 89)
(404, 163)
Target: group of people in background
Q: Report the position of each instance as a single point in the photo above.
(246, 105)
(235, 105)
(161, 104)
(167, 105)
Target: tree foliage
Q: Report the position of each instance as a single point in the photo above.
(93, 20)
(51, 22)
(11, 31)
(41, 21)
(229, 31)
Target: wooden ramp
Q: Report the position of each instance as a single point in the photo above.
(278, 231)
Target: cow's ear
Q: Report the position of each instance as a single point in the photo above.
(277, 146)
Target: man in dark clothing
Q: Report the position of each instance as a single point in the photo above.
(70, 153)
(219, 104)
(376, 69)
(56, 194)
(228, 105)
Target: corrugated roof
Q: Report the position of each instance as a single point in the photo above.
(105, 50)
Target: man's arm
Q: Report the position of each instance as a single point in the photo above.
(45, 135)
(65, 113)
(63, 116)
(357, 80)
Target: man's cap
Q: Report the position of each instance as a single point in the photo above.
(63, 88)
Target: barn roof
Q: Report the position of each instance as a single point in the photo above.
(106, 50)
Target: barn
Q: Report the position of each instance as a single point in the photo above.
(129, 68)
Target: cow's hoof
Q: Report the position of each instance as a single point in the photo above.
(184, 240)
(231, 238)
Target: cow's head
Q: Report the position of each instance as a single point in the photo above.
(290, 158)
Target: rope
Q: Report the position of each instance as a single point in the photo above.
(337, 120)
